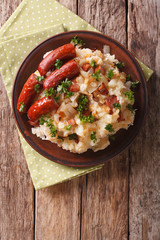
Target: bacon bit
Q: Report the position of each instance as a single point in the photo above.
(121, 118)
(87, 113)
(110, 101)
(72, 122)
(61, 114)
(74, 87)
(102, 89)
(86, 67)
(76, 140)
(102, 70)
(34, 124)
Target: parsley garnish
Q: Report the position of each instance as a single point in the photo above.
(82, 103)
(77, 41)
(22, 106)
(130, 108)
(40, 78)
(130, 95)
(109, 128)
(117, 105)
(36, 88)
(42, 120)
(110, 73)
(128, 77)
(58, 63)
(120, 65)
(61, 138)
(134, 84)
(63, 88)
(52, 128)
(72, 136)
(112, 137)
(97, 75)
(85, 119)
(51, 92)
(93, 64)
(68, 127)
(93, 137)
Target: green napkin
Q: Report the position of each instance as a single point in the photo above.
(31, 23)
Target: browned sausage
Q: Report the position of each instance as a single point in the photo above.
(65, 52)
(110, 101)
(68, 70)
(41, 107)
(28, 93)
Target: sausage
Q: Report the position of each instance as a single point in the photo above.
(86, 67)
(68, 70)
(28, 93)
(102, 89)
(102, 70)
(64, 52)
(41, 107)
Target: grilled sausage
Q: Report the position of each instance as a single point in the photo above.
(65, 52)
(28, 93)
(68, 70)
(41, 107)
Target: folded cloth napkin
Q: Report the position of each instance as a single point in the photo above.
(31, 23)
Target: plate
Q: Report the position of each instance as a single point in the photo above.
(123, 139)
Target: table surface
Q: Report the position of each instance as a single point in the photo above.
(122, 200)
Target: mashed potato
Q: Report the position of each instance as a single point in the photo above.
(106, 101)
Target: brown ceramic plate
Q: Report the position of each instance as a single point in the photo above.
(123, 137)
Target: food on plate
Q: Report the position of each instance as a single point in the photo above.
(83, 98)
(30, 89)
(62, 53)
(68, 70)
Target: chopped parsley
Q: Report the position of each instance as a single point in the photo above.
(112, 137)
(117, 105)
(128, 77)
(120, 65)
(42, 120)
(58, 63)
(109, 128)
(82, 103)
(72, 136)
(63, 88)
(130, 95)
(85, 119)
(52, 128)
(110, 73)
(134, 84)
(93, 137)
(36, 88)
(61, 138)
(22, 106)
(93, 64)
(69, 94)
(52, 92)
(40, 78)
(130, 108)
(97, 75)
(77, 41)
(68, 127)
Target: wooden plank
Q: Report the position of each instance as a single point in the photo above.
(105, 195)
(58, 207)
(17, 194)
(144, 198)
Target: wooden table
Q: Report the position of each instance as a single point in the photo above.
(119, 202)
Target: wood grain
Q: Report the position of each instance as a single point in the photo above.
(105, 195)
(17, 194)
(144, 199)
